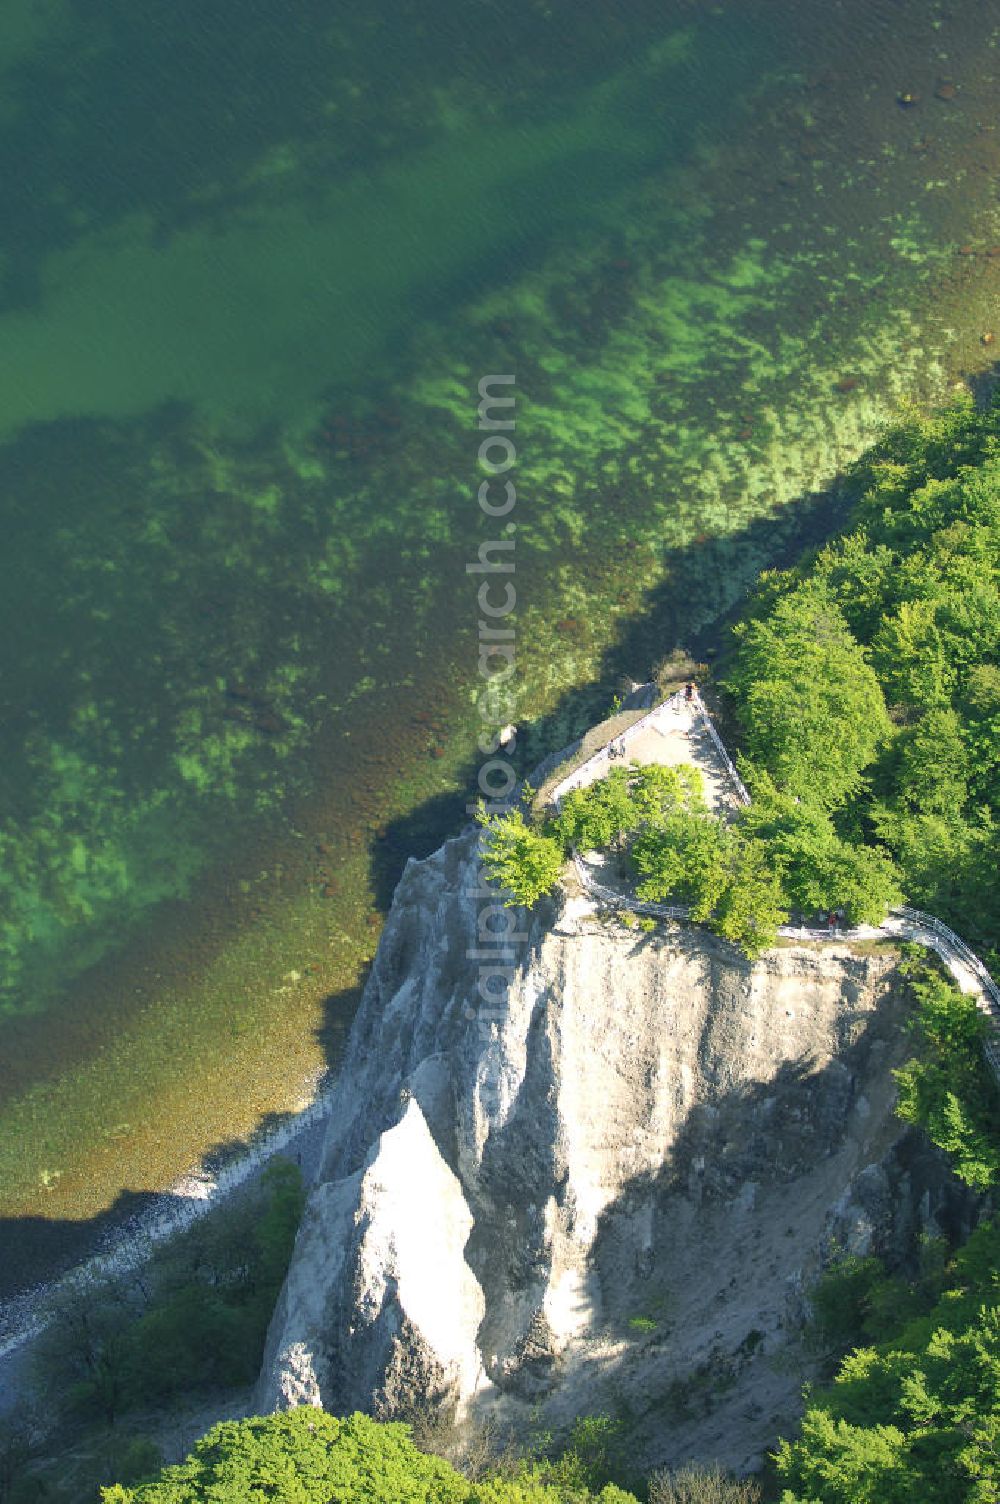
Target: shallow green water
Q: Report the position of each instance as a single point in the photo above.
(254, 268)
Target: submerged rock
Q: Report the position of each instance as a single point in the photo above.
(607, 1189)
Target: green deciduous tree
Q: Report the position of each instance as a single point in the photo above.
(819, 870)
(525, 863)
(600, 815)
(303, 1457)
(915, 586)
(936, 1438)
(85, 1353)
(753, 904)
(934, 764)
(276, 1228)
(908, 600)
(911, 657)
(624, 802)
(843, 1464)
(949, 1090)
(811, 705)
(684, 860)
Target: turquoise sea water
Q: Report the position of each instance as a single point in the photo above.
(252, 266)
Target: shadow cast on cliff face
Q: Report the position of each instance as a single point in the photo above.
(703, 1263)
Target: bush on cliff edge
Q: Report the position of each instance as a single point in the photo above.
(305, 1456)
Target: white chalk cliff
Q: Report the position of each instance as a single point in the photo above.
(606, 1192)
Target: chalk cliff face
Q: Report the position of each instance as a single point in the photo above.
(606, 1189)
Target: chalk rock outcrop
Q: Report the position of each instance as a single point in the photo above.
(593, 1169)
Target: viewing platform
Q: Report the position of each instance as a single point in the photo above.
(678, 731)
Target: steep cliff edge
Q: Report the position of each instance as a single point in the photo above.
(605, 1191)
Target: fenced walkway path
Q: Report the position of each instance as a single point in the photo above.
(681, 731)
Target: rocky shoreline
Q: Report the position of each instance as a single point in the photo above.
(125, 1246)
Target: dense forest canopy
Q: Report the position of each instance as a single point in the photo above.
(867, 684)
(867, 679)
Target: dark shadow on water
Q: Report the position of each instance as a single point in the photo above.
(983, 385)
(717, 573)
(36, 1249)
(416, 835)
